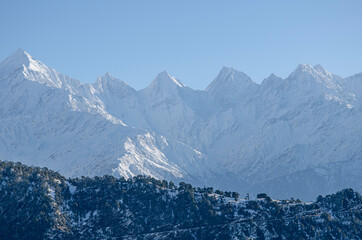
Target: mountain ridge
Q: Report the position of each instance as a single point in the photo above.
(233, 135)
(27, 58)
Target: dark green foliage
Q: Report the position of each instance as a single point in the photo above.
(262, 195)
(25, 203)
(36, 203)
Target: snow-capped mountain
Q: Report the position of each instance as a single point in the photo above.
(300, 136)
(49, 119)
(231, 87)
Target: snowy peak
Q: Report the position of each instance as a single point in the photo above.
(108, 75)
(232, 74)
(109, 84)
(18, 59)
(271, 79)
(302, 69)
(229, 78)
(36, 71)
(164, 83)
(307, 71)
(164, 80)
(230, 86)
(320, 69)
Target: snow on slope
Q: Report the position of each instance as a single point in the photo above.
(236, 134)
(47, 120)
(230, 87)
(306, 122)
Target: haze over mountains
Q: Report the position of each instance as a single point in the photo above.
(300, 136)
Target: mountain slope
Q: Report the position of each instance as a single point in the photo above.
(236, 134)
(66, 127)
(308, 122)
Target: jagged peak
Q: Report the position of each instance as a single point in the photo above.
(164, 79)
(321, 70)
(306, 69)
(319, 67)
(225, 69)
(273, 76)
(16, 60)
(232, 71)
(108, 77)
(271, 79)
(36, 71)
(229, 77)
(20, 54)
(22, 59)
(109, 83)
(303, 70)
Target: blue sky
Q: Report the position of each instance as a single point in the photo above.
(135, 40)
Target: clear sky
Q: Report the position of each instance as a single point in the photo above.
(134, 40)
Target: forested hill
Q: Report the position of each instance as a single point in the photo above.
(36, 203)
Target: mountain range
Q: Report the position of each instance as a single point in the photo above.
(300, 136)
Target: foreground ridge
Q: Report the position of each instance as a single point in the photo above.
(40, 203)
